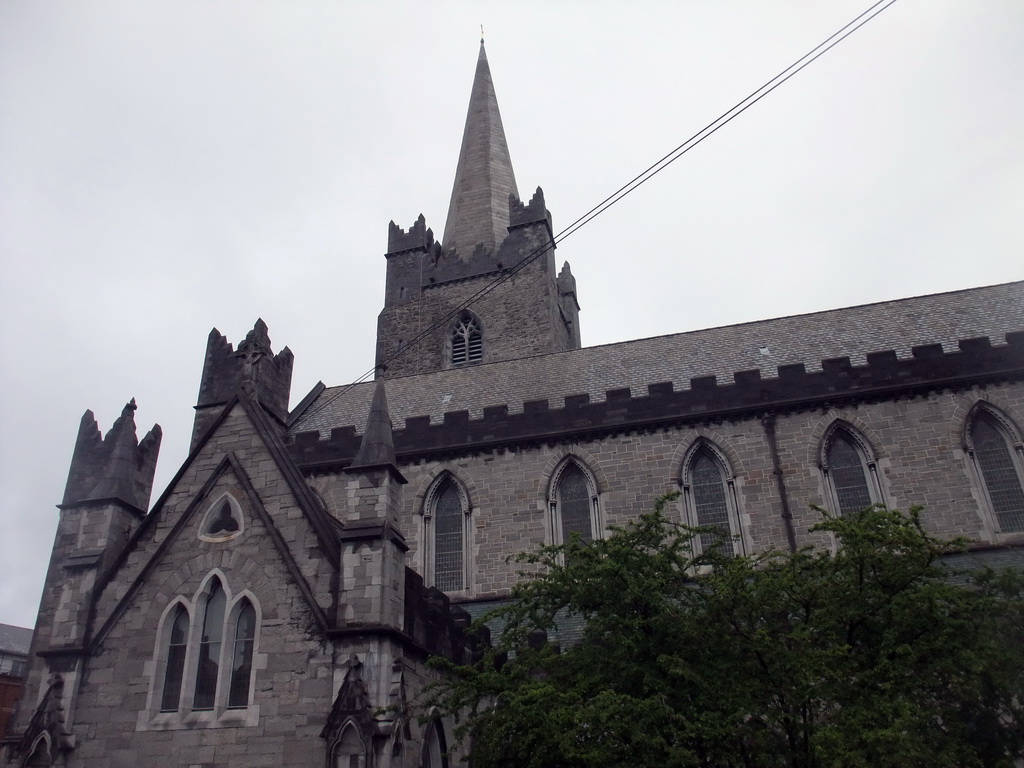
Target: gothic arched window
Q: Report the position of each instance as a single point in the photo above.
(435, 746)
(209, 647)
(445, 536)
(999, 464)
(208, 661)
(174, 673)
(850, 472)
(573, 505)
(349, 751)
(709, 496)
(241, 661)
(467, 343)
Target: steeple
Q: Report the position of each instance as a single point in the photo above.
(478, 211)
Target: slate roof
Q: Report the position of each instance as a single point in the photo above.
(15, 639)
(945, 318)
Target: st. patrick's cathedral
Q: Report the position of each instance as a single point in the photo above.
(277, 604)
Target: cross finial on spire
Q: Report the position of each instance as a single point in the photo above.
(481, 34)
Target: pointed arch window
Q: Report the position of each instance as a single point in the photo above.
(349, 751)
(998, 458)
(209, 648)
(206, 660)
(435, 746)
(573, 505)
(446, 536)
(241, 662)
(466, 340)
(174, 674)
(851, 472)
(709, 498)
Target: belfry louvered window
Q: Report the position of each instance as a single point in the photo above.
(1000, 471)
(466, 341)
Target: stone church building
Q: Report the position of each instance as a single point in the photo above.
(278, 602)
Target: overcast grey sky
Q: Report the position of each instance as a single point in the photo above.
(168, 167)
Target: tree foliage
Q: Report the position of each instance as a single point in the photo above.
(873, 654)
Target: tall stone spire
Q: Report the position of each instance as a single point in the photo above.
(478, 211)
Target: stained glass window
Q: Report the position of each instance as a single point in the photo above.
(574, 502)
(710, 502)
(848, 475)
(449, 570)
(1000, 473)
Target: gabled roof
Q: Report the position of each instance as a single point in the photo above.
(900, 325)
(319, 519)
(478, 211)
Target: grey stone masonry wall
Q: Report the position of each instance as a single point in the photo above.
(519, 318)
(533, 312)
(916, 440)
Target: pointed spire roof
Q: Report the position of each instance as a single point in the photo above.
(377, 449)
(478, 211)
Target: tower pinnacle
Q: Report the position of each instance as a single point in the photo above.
(478, 211)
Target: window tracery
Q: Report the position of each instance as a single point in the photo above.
(204, 662)
(573, 504)
(446, 536)
(709, 498)
(466, 341)
(999, 463)
(850, 470)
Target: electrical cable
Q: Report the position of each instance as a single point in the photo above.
(641, 178)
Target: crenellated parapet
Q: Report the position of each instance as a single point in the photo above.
(419, 237)
(534, 212)
(253, 367)
(116, 467)
(788, 388)
(436, 625)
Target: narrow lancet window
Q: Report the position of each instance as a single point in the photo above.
(176, 647)
(710, 501)
(999, 473)
(574, 502)
(848, 475)
(449, 570)
(241, 662)
(209, 648)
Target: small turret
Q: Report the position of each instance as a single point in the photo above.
(373, 548)
(253, 367)
(105, 500)
(568, 304)
(117, 467)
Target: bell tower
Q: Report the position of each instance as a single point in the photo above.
(489, 290)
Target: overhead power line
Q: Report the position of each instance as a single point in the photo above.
(641, 178)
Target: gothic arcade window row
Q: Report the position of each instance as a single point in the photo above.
(849, 469)
(206, 658)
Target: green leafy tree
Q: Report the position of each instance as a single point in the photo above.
(873, 654)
